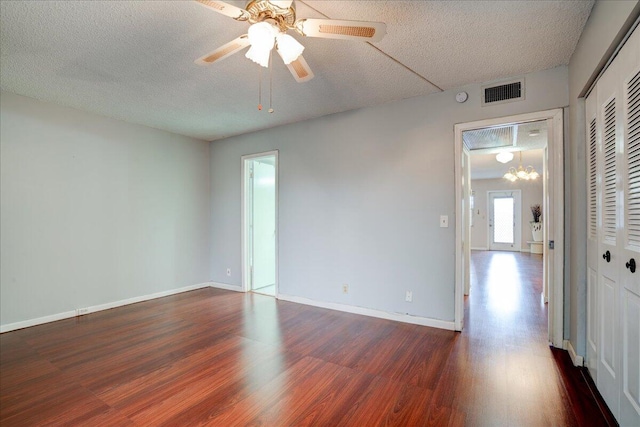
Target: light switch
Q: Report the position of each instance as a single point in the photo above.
(444, 221)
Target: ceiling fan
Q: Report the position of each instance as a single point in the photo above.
(270, 20)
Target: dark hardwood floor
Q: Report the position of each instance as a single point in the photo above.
(214, 357)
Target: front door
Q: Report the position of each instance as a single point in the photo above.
(503, 207)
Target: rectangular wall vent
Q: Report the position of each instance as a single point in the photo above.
(503, 92)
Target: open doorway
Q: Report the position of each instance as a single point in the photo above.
(535, 140)
(260, 200)
(506, 269)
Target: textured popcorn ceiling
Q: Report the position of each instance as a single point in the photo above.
(133, 60)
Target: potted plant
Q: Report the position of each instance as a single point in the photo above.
(536, 224)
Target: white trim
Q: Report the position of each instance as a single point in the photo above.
(405, 318)
(556, 171)
(577, 360)
(96, 308)
(459, 285)
(243, 207)
(226, 286)
(479, 249)
(555, 284)
(38, 321)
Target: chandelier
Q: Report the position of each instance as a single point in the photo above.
(526, 174)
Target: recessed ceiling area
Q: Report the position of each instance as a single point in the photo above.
(134, 60)
(528, 141)
(485, 166)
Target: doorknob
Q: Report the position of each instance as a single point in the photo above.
(631, 265)
(607, 256)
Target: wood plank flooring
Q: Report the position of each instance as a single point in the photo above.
(221, 358)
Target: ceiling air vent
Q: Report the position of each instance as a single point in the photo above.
(503, 92)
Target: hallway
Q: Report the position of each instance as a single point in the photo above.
(506, 339)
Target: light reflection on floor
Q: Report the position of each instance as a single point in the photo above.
(503, 284)
(505, 320)
(261, 323)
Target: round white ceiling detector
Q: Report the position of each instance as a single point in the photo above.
(462, 96)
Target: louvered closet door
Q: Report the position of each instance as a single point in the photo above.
(593, 213)
(629, 247)
(609, 138)
(613, 182)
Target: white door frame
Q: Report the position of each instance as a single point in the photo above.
(245, 215)
(553, 225)
(517, 224)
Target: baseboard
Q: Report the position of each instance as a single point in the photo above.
(226, 286)
(479, 249)
(577, 360)
(86, 310)
(405, 318)
(38, 321)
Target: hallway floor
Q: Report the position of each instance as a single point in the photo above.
(506, 318)
(505, 305)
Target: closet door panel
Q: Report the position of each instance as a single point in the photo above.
(593, 217)
(630, 398)
(629, 247)
(608, 123)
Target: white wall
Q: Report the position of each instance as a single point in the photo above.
(361, 194)
(531, 194)
(95, 210)
(607, 23)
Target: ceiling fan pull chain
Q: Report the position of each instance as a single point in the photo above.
(260, 90)
(270, 83)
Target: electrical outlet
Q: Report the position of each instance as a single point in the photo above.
(81, 311)
(345, 289)
(408, 297)
(228, 272)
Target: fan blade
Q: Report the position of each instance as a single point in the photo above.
(224, 51)
(226, 9)
(346, 30)
(283, 4)
(300, 70)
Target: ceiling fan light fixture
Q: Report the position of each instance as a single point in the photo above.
(259, 56)
(288, 48)
(271, 19)
(262, 37)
